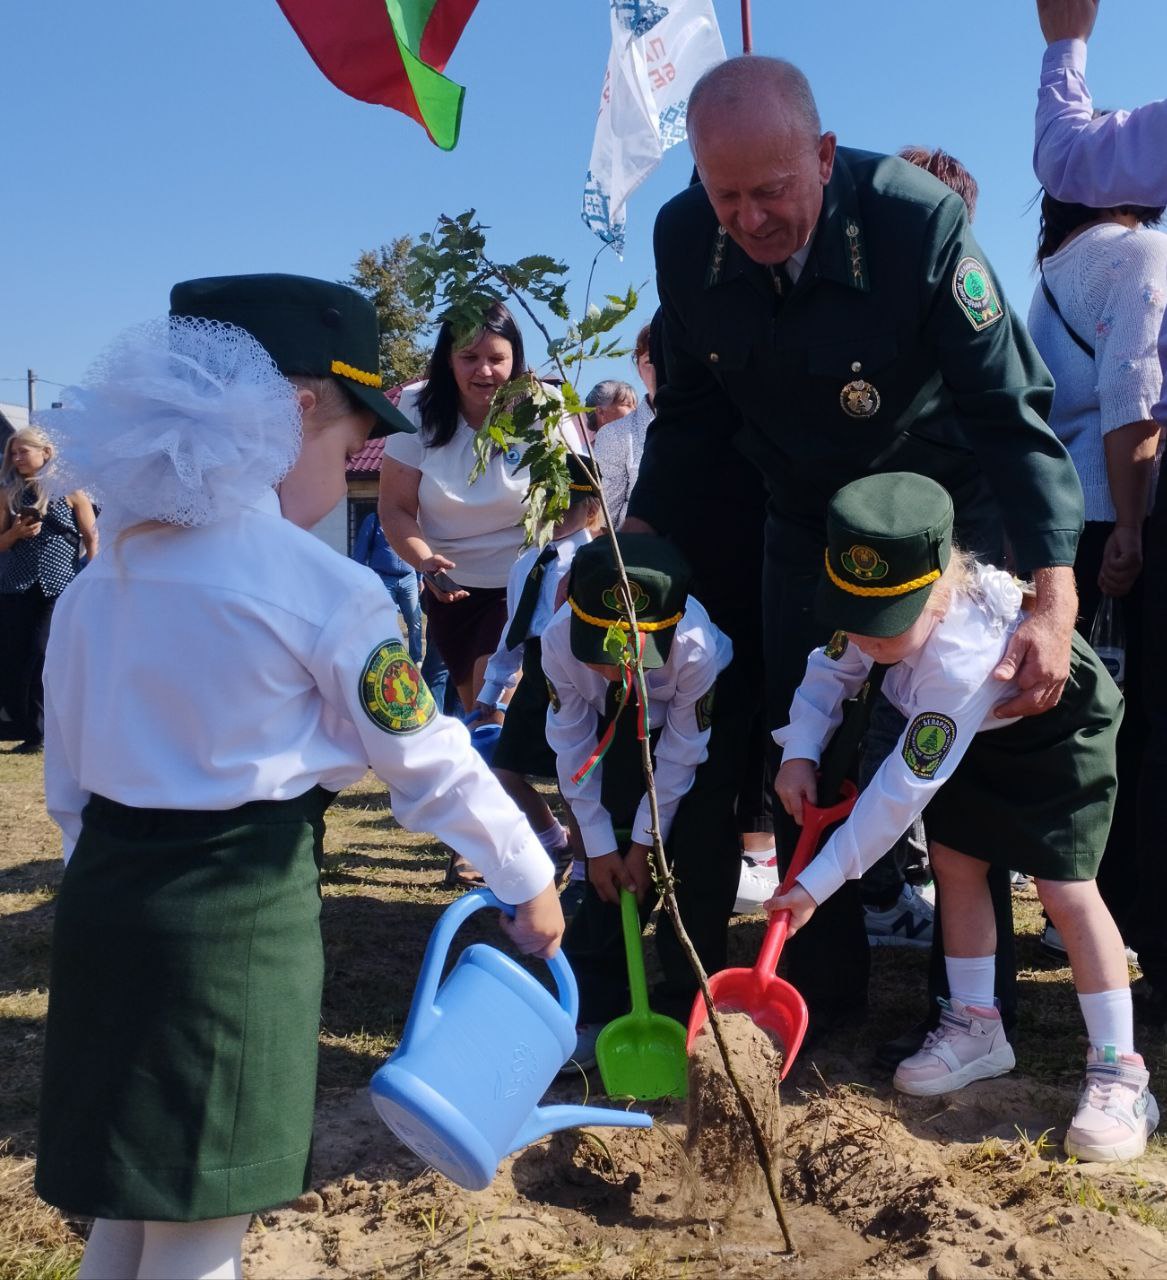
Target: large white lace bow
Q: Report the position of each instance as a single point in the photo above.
(181, 420)
(1001, 595)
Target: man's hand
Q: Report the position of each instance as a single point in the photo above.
(489, 714)
(538, 924)
(1122, 560)
(1039, 650)
(637, 864)
(796, 783)
(1067, 19)
(609, 875)
(800, 905)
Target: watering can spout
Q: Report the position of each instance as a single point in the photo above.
(547, 1120)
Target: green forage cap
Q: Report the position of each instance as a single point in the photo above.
(580, 486)
(311, 327)
(659, 576)
(889, 540)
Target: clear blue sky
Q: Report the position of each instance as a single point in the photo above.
(145, 141)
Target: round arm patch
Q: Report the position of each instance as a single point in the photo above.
(928, 740)
(392, 692)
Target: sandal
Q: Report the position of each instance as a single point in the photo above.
(461, 873)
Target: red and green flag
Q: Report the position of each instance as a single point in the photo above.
(389, 52)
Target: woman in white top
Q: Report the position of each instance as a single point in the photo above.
(462, 537)
(1095, 318)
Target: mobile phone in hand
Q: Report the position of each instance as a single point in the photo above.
(31, 513)
(441, 580)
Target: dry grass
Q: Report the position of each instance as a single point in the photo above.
(382, 893)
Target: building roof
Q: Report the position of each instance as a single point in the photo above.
(367, 463)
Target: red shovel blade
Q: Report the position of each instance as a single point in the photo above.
(771, 1001)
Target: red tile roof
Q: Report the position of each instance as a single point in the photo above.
(368, 461)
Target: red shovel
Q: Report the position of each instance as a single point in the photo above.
(771, 1001)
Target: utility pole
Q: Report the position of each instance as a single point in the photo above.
(31, 392)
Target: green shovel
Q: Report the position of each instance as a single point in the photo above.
(641, 1055)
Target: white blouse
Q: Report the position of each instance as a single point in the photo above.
(205, 668)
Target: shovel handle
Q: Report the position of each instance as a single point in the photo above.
(815, 821)
(634, 951)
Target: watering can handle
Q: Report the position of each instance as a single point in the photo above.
(434, 961)
(814, 822)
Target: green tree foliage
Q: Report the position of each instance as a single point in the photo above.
(380, 275)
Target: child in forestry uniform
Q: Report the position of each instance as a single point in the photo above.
(1036, 793)
(210, 685)
(595, 725)
(522, 750)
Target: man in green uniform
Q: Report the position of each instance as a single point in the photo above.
(828, 314)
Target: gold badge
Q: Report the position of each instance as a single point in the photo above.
(859, 398)
(864, 563)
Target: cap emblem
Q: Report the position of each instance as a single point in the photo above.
(611, 597)
(865, 564)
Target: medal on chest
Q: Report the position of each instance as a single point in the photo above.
(859, 399)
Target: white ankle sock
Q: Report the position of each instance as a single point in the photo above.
(971, 978)
(1109, 1019)
(757, 856)
(208, 1250)
(114, 1250)
(554, 838)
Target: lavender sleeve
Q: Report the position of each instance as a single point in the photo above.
(1120, 158)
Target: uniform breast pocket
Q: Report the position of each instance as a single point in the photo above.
(851, 380)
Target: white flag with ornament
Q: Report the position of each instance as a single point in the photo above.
(659, 51)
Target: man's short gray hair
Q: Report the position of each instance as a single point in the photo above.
(735, 85)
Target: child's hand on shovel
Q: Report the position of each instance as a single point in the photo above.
(797, 781)
(800, 905)
(609, 875)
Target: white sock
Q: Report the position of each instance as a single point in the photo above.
(971, 978)
(208, 1250)
(554, 838)
(1109, 1019)
(113, 1252)
(756, 856)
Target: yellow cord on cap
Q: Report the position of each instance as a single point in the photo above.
(357, 375)
(583, 488)
(901, 590)
(622, 623)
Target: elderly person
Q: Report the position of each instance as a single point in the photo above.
(828, 313)
(41, 541)
(618, 449)
(1117, 159)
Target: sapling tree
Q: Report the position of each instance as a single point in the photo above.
(450, 273)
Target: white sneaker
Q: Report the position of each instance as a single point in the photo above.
(966, 1046)
(758, 883)
(907, 923)
(1116, 1112)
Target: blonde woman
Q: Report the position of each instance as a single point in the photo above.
(41, 541)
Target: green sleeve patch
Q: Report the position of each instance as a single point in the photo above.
(393, 694)
(973, 289)
(703, 708)
(836, 646)
(553, 695)
(928, 740)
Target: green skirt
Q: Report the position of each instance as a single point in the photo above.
(1038, 795)
(184, 1011)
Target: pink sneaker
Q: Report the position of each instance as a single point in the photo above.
(1116, 1111)
(966, 1046)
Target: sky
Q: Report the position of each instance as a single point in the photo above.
(146, 142)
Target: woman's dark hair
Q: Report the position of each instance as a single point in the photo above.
(438, 400)
(1059, 219)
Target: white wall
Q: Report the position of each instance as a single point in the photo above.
(333, 529)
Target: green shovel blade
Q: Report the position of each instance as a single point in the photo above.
(641, 1055)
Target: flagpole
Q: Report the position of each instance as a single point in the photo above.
(747, 32)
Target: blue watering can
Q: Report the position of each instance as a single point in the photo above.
(483, 737)
(477, 1054)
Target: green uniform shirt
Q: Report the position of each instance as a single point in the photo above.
(948, 382)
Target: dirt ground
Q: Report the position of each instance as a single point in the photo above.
(875, 1184)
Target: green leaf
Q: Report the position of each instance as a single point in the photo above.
(616, 645)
